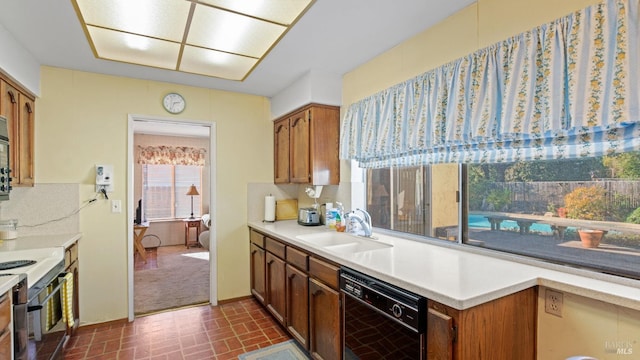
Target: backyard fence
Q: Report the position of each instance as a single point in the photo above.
(622, 196)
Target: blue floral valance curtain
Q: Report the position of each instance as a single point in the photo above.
(566, 89)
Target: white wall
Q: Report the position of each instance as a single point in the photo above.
(18, 63)
(312, 87)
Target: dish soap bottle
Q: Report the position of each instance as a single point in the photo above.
(330, 219)
(340, 222)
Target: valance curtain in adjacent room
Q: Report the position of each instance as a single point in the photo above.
(171, 155)
(566, 89)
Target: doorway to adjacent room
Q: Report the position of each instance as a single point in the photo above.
(170, 268)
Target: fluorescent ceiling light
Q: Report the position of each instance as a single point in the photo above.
(218, 38)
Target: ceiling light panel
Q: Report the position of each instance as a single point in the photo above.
(226, 31)
(134, 49)
(162, 19)
(219, 38)
(215, 63)
(283, 12)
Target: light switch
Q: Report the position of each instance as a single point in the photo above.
(116, 206)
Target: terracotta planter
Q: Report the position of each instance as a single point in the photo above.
(590, 238)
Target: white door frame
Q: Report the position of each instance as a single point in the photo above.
(213, 287)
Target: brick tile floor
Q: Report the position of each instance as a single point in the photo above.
(203, 332)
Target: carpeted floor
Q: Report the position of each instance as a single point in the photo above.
(181, 279)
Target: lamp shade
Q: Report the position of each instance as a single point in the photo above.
(192, 191)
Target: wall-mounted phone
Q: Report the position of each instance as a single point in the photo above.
(104, 178)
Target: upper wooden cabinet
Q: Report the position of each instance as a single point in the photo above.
(19, 109)
(306, 143)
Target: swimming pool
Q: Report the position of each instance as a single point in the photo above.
(481, 222)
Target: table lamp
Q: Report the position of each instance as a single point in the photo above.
(192, 192)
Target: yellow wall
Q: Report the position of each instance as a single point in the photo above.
(587, 327)
(81, 120)
(475, 27)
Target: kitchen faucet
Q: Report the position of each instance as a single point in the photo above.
(366, 215)
(364, 223)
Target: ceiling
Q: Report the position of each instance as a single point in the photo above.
(331, 39)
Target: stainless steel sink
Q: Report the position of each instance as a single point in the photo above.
(343, 243)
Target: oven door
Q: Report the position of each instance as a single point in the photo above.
(48, 331)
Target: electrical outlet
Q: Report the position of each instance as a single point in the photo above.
(553, 302)
(116, 206)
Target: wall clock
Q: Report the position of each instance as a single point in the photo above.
(174, 103)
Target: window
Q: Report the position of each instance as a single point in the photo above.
(164, 189)
(420, 200)
(537, 208)
(396, 199)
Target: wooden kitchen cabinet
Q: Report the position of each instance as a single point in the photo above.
(257, 254)
(276, 287)
(19, 109)
(6, 330)
(306, 146)
(72, 265)
(325, 299)
(502, 329)
(281, 151)
(324, 321)
(301, 293)
(297, 296)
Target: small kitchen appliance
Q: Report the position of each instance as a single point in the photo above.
(308, 217)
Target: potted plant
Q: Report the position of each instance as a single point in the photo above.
(587, 203)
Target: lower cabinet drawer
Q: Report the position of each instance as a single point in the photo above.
(275, 247)
(257, 238)
(325, 272)
(297, 258)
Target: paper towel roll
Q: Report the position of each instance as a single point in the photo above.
(269, 208)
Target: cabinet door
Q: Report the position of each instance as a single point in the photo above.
(281, 151)
(10, 108)
(23, 132)
(299, 144)
(257, 272)
(276, 291)
(8, 102)
(298, 305)
(325, 340)
(440, 336)
(324, 145)
(5, 344)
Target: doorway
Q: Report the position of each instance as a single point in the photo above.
(141, 126)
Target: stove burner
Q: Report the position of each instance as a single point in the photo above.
(15, 264)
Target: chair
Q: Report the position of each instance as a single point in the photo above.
(203, 238)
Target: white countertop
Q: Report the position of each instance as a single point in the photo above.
(32, 243)
(39, 241)
(460, 276)
(7, 282)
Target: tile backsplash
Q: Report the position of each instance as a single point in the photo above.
(44, 209)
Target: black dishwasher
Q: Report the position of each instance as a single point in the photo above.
(381, 321)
